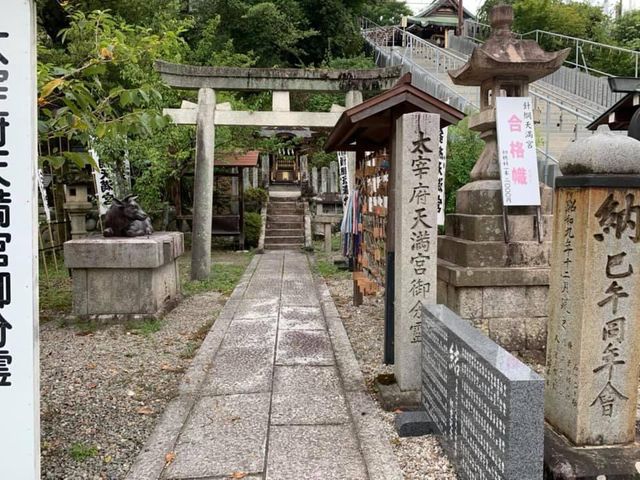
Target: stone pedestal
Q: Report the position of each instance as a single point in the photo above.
(124, 278)
(501, 288)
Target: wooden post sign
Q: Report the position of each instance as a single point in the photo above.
(19, 373)
(517, 151)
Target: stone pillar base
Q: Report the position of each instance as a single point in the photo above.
(508, 305)
(564, 461)
(124, 278)
(501, 288)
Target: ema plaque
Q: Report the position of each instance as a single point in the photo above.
(486, 404)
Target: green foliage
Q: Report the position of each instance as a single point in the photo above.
(463, 149)
(385, 12)
(252, 226)
(254, 199)
(100, 82)
(80, 451)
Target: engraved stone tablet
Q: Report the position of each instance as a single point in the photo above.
(487, 405)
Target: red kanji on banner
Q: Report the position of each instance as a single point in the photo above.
(515, 124)
(516, 149)
(519, 175)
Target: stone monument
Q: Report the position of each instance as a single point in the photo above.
(593, 347)
(415, 173)
(498, 281)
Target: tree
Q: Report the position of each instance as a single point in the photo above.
(385, 12)
(100, 82)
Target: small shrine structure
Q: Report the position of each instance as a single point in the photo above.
(493, 261)
(395, 190)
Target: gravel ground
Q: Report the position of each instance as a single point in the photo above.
(104, 387)
(420, 458)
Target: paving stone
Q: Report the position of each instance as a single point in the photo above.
(307, 395)
(325, 452)
(251, 332)
(301, 318)
(240, 370)
(298, 287)
(223, 435)
(304, 347)
(257, 308)
(307, 299)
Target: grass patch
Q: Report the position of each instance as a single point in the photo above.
(80, 451)
(147, 327)
(324, 264)
(55, 288)
(189, 350)
(225, 275)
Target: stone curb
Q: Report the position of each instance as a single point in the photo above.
(150, 462)
(378, 456)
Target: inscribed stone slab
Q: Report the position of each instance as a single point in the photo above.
(415, 170)
(223, 435)
(327, 452)
(487, 405)
(304, 347)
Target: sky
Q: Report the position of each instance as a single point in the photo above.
(417, 5)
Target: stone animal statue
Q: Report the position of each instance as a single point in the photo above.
(125, 218)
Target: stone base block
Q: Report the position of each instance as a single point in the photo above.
(124, 278)
(391, 397)
(508, 305)
(563, 461)
(414, 424)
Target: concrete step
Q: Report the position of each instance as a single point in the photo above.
(285, 210)
(283, 247)
(285, 232)
(296, 240)
(284, 225)
(285, 218)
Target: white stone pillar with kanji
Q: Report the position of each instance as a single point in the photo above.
(415, 168)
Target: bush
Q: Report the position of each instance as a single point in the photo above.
(252, 225)
(254, 199)
(463, 149)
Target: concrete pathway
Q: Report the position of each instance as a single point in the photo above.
(275, 391)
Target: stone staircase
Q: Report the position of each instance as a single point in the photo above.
(285, 224)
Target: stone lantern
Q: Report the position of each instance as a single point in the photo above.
(499, 280)
(503, 67)
(77, 206)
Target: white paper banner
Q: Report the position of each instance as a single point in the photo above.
(104, 184)
(343, 169)
(442, 170)
(43, 196)
(19, 351)
(517, 151)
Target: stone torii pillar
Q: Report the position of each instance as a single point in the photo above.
(203, 186)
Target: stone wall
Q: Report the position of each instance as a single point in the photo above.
(513, 316)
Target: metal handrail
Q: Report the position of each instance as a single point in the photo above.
(579, 42)
(448, 59)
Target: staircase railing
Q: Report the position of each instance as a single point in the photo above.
(397, 47)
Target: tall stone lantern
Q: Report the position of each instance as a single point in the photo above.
(498, 282)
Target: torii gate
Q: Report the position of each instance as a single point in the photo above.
(206, 115)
